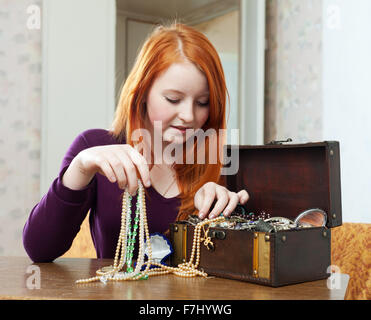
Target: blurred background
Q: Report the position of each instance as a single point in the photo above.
(296, 69)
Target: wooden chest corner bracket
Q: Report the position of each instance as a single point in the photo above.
(179, 243)
(261, 255)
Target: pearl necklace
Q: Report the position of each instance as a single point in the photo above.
(126, 241)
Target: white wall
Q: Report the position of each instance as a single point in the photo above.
(131, 33)
(347, 99)
(78, 75)
(223, 32)
(20, 107)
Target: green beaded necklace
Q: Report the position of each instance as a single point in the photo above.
(131, 236)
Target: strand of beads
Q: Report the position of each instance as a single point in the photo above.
(126, 243)
(188, 269)
(131, 239)
(140, 214)
(122, 242)
(106, 273)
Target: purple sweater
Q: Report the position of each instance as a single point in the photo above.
(54, 222)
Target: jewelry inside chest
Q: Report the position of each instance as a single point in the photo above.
(273, 259)
(283, 180)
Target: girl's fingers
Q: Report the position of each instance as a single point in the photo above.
(233, 201)
(208, 196)
(140, 162)
(243, 196)
(131, 175)
(222, 196)
(106, 169)
(118, 168)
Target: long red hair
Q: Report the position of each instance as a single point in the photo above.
(164, 46)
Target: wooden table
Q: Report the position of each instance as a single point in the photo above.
(19, 278)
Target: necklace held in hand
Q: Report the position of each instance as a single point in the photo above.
(123, 268)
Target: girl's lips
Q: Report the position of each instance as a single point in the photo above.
(182, 129)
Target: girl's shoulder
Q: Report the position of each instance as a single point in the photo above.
(98, 137)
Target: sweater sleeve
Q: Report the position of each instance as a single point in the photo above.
(54, 222)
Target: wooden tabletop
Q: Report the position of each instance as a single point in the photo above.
(20, 278)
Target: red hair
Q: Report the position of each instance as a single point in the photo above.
(164, 46)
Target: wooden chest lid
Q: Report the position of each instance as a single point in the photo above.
(286, 179)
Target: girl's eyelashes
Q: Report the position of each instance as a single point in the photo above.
(174, 101)
(203, 104)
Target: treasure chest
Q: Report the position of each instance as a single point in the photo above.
(285, 182)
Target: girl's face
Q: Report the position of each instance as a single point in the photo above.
(179, 97)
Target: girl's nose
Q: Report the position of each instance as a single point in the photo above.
(186, 112)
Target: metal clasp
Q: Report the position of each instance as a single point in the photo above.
(217, 234)
(208, 235)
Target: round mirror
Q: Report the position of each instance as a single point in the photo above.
(311, 218)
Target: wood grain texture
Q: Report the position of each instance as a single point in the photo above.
(57, 281)
(350, 251)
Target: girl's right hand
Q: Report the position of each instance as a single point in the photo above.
(119, 163)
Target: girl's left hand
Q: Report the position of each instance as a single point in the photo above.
(226, 200)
